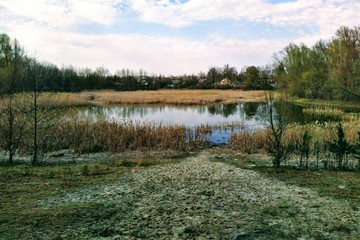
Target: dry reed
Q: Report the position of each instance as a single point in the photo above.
(178, 97)
(86, 136)
(321, 135)
(325, 114)
(249, 142)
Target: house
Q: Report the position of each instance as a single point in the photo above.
(225, 82)
(174, 82)
(142, 81)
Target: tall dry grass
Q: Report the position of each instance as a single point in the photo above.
(48, 100)
(178, 97)
(325, 114)
(87, 136)
(249, 142)
(321, 135)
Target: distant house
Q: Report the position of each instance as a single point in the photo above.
(174, 82)
(225, 83)
(142, 81)
(205, 83)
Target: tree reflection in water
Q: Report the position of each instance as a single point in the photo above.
(248, 115)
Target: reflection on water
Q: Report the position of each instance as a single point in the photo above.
(248, 114)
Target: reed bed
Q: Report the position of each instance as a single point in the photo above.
(249, 142)
(321, 135)
(177, 97)
(87, 136)
(47, 100)
(65, 100)
(325, 114)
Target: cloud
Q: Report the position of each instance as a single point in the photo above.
(166, 55)
(321, 13)
(59, 13)
(49, 27)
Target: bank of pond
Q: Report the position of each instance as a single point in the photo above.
(240, 126)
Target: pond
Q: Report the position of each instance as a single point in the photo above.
(249, 116)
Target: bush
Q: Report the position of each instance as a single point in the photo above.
(340, 147)
(356, 150)
(85, 170)
(304, 149)
(277, 146)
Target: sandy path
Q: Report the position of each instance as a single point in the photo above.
(200, 199)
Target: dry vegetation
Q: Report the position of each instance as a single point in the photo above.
(322, 134)
(181, 198)
(85, 137)
(187, 97)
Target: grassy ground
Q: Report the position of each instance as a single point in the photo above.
(28, 212)
(336, 184)
(22, 187)
(325, 103)
(188, 97)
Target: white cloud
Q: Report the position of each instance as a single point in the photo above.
(166, 55)
(49, 27)
(59, 13)
(327, 15)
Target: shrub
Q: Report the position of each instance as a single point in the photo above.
(356, 151)
(85, 170)
(304, 149)
(340, 147)
(128, 163)
(277, 146)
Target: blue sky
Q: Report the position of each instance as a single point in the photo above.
(170, 36)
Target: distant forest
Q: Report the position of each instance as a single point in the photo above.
(328, 70)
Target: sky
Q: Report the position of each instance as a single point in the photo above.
(170, 37)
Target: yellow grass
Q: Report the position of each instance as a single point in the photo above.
(178, 97)
(169, 97)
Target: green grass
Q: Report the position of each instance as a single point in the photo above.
(22, 188)
(325, 103)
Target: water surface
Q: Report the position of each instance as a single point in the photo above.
(191, 116)
(249, 116)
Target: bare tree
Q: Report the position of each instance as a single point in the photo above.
(44, 113)
(12, 118)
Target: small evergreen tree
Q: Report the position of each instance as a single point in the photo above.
(356, 150)
(340, 147)
(305, 149)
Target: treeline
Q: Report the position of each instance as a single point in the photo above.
(14, 63)
(327, 70)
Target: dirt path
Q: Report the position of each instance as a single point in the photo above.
(200, 199)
